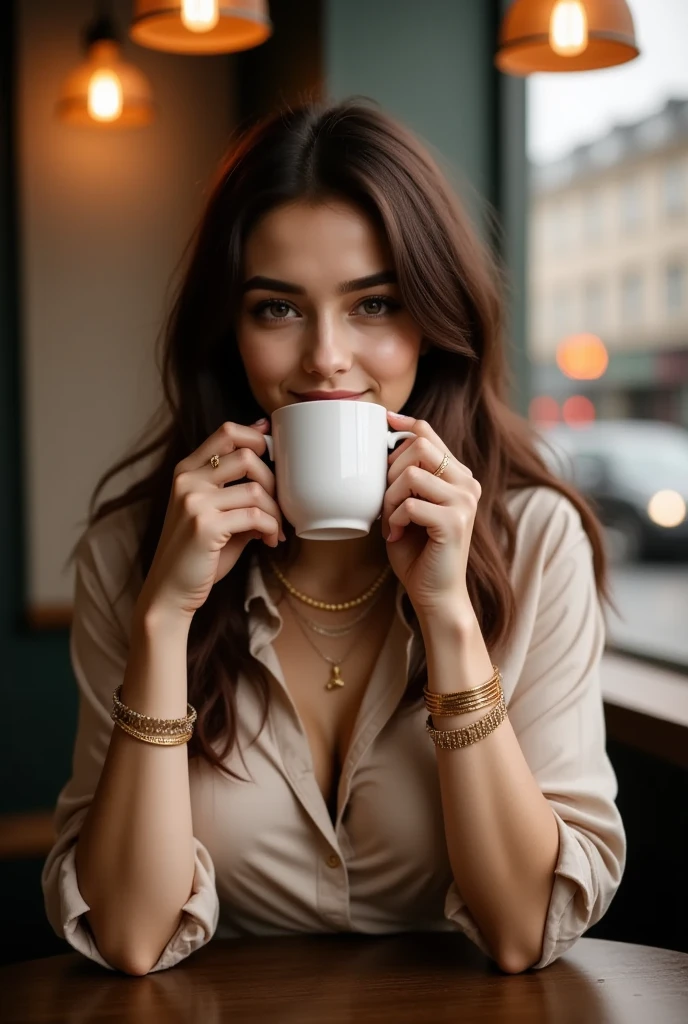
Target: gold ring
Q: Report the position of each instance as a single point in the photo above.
(442, 466)
(214, 461)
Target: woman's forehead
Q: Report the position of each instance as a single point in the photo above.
(333, 237)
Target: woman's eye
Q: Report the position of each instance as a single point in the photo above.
(378, 306)
(278, 310)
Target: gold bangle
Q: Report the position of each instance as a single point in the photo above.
(459, 706)
(159, 740)
(453, 739)
(447, 703)
(146, 722)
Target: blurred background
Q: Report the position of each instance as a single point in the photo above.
(579, 181)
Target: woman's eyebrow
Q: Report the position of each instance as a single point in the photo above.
(273, 284)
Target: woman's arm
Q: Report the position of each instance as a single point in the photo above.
(135, 851)
(125, 867)
(501, 833)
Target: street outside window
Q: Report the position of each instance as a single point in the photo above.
(608, 312)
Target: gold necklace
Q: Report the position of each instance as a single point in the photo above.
(324, 605)
(334, 632)
(335, 681)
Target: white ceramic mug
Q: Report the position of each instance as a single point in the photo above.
(331, 465)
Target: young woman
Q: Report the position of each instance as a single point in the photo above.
(316, 793)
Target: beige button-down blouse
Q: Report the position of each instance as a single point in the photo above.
(269, 859)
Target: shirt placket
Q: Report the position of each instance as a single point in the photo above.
(380, 699)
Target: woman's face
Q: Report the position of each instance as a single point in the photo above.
(310, 323)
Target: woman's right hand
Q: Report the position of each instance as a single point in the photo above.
(208, 525)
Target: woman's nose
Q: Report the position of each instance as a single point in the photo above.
(327, 351)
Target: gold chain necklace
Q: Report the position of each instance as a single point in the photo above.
(335, 681)
(334, 632)
(324, 605)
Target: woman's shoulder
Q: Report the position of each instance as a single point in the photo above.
(546, 520)
(107, 550)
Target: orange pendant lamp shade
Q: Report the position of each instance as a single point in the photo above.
(105, 90)
(200, 26)
(565, 35)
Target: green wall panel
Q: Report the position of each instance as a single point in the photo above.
(431, 65)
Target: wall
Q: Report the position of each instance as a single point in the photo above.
(103, 219)
(96, 224)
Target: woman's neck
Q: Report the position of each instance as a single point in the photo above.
(335, 571)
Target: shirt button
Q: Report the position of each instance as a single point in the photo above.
(333, 860)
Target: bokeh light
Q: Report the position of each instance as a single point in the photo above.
(578, 411)
(667, 508)
(582, 357)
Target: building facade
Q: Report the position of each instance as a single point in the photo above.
(609, 256)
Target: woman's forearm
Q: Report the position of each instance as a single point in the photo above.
(135, 855)
(501, 833)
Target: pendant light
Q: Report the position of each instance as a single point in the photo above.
(105, 90)
(565, 35)
(200, 26)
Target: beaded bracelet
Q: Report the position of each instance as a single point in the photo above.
(454, 739)
(161, 731)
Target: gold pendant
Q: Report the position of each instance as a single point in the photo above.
(335, 679)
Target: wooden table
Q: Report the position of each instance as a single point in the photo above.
(351, 979)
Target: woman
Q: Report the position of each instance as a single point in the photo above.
(318, 794)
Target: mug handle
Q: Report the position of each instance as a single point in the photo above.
(398, 435)
(268, 440)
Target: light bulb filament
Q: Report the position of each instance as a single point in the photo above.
(200, 15)
(104, 95)
(568, 28)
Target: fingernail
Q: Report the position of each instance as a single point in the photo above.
(260, 422)
(399, 416)
(282, 535)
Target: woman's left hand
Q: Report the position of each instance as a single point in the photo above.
(428, 520)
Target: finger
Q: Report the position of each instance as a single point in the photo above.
(446, 524)
(422, 513)
(422, 453)
(415, 482)
(227, 438)
(235, 466)
(244, 520)
(419, 427)
(246, 496)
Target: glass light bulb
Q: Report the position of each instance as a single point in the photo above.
(104, 95)
(568, 28)
(200, 15)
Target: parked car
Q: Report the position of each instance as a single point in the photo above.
(635, 474)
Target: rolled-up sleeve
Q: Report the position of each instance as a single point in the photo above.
(556, 711)
(99, 651)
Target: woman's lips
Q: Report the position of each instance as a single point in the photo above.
(324, 396)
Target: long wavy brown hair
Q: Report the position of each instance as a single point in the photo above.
(450, 284)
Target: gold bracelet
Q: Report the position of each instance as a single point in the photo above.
(156, 730)
(464, 700)
(459, 706)
(162, 741)
(453, 739)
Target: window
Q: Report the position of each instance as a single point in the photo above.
(561, 312)
(674, 186)
(675, 288)
(631, 199)
(594, 306)
(593, 216)
(631, 298)
(559, 227)
(611, 147)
